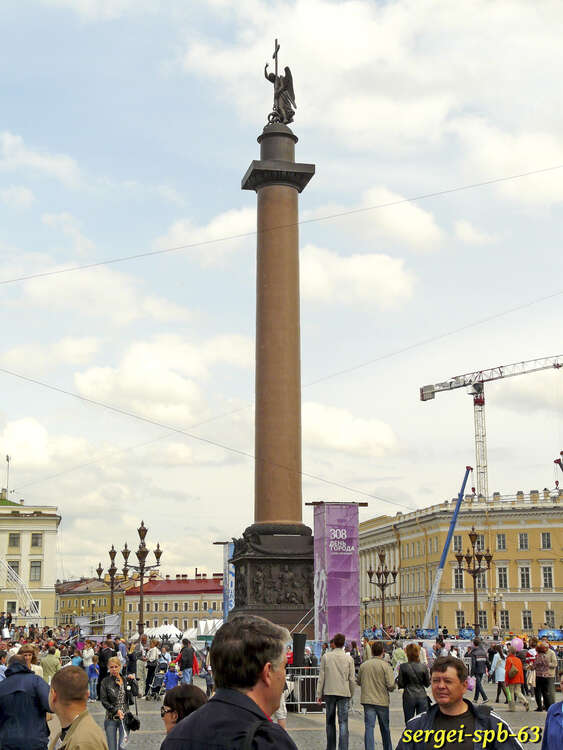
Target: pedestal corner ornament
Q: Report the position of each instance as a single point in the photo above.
(273, 559)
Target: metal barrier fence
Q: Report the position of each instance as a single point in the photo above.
(302, 689)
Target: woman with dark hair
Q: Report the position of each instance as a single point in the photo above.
(180, 702)
(414, 678)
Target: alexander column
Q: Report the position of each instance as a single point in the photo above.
(274, 558)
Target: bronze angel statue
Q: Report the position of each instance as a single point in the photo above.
(284, 96)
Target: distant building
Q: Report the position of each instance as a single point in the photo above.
(28, 544)
(525, 535)
(179, 601)
(83, 597)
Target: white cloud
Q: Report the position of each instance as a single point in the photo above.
(67, 351)
(160, 378)
(101, 293)
(470, 235)
(30, 446)
(537, 392)
(369, 279)
(230, 223)
(490, 150)
(17, 196)
(15, 155)
(69, 227)
(336, 429)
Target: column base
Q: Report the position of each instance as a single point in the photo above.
(274, 574)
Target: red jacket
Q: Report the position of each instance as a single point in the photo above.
(513, 660)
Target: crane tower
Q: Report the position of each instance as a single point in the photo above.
(476, 383)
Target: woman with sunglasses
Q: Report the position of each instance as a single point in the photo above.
(180, 702)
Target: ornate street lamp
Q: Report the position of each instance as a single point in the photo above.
(365, 602)
(495, 599)
(383, 581)
(112, 570)
(476, 563)
(142, 554)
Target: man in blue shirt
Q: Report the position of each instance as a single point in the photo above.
(24, 704)
(3, 655)
(553, 730)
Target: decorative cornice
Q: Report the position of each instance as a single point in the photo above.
(271, 172)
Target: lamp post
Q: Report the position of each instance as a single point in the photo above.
(112, 570)
(382, 575)
(142, 553)
(473, 565)
(495, 599)
(365, 602)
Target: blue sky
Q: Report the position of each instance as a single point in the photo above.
(126, 127)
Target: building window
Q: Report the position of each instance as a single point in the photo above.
(458, 543)
(525, 578)
(13, 540)
(527, 619)
(480, 544)
(483, 619)
(37, 540)
(502, 577)
(204, 604)
(15, 566)
(156, 606)
(175, 622)
(214, 606)
(185, 625)
(523, 540)
(130, 607)
(11, 607)
(482, 581)
(186, 607)
(176, 607)
(165, 608)
(504, 619)
(418, 549)
(155, 623)
(547, 577)
(165, 621)
(195, 624)
(459, 619)
(35, 570)
(196, 605)
(550, 618)
(546, 540)
(129, 624)
(501, 541)
(458, 578)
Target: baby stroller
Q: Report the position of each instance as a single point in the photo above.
(156, 688)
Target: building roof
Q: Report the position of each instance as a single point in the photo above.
(3, 501)
(175, 586)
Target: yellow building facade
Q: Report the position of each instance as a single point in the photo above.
(87, 597)
(523, 590)
(28, 545)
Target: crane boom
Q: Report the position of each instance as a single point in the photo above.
(494, 373)
(476, 381)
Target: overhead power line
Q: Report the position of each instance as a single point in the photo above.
(199, 438)
(375, 360)
(242, 235)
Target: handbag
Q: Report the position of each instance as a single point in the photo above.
(532, 678)
(132, 723)
(512, 672)
(470, 683)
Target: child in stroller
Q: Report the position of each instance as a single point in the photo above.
(156, 688)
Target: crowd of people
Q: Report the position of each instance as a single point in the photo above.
(49, 671)
(518, 669)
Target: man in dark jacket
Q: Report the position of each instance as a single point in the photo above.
(479, 669)
(104, 655)
(186, 663)
(24, 704)
(473, 727)
(248, 658)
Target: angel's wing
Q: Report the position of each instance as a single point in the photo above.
(289, 86)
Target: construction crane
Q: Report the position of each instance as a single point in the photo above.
(476, 383)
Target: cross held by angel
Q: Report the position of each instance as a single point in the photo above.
(284, 96)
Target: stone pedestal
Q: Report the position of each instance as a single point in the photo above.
(274, 558)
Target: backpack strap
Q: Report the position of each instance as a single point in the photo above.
(248, 738)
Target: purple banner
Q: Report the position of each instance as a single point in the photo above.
(337, 576)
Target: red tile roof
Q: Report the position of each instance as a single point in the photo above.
(180, 586)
